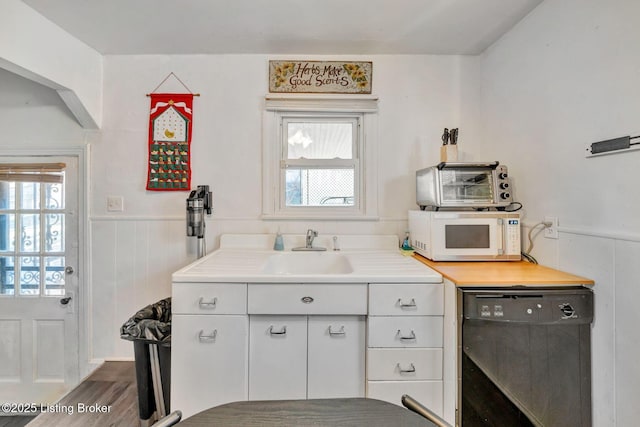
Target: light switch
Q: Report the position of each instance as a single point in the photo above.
(115, 204)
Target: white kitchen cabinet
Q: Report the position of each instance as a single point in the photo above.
(210, 368)
(396, 364)
(405, 331)
(405, 343)
(238, 341)
(278, 357)
(299, 357)
(326, 298)
(336, 356)
(428, 393)
(410, 299)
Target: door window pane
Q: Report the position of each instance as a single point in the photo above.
(30, 235)
(54, 232)
(30, 195)
(54, 196)
(30, 275)
(7, 195)
(7, 285)
(54, 275)
(7, 232)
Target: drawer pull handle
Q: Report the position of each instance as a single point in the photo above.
(207, 338)
(411, 337)
(282, 331)
(307, 300)
(208, 304)
(411, 369)
(339, 332)
(410, 304)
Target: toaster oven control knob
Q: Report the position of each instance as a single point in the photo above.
(504, 185)
(505, 195)
(503, 175)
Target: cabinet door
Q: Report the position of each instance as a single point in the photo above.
(209, 361)
(336, 357)
(278, 357)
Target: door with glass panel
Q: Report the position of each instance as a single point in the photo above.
(38, 278)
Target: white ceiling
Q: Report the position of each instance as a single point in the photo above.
(286, 26)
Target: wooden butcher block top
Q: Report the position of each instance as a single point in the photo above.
(503, 273)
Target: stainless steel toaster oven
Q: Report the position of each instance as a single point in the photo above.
(463, 185)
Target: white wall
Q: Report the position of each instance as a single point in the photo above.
(563, 78)
(134, 252)
(35, 48)
(32, 115)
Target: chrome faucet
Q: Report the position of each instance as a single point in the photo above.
(311, 234)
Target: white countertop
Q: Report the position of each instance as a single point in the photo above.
(243, 258)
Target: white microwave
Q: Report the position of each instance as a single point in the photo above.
(465, 236)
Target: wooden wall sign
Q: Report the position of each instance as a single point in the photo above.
(320, 77)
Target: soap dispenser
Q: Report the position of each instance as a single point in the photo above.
(278, 245)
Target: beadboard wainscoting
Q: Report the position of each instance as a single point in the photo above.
(131, 261)
(611, 260)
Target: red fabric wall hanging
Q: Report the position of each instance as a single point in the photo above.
(170, 120)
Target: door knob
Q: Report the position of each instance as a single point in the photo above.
(65, 300)
(68, 269)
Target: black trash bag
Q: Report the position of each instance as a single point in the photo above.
(152, 324)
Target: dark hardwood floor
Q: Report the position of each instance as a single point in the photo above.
(15, 421)
(107, 398)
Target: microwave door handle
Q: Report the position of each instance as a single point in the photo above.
(501, 237)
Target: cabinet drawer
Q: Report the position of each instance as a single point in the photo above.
(428, 393)
(405, 331)
(333, 298)
(209, 298)
(406, 299)
(408, 364)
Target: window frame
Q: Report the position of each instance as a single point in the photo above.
(277, 112)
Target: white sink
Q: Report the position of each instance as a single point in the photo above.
(307, 263)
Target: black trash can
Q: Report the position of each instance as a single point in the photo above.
(150, 331)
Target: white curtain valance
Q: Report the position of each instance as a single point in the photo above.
(32, 172)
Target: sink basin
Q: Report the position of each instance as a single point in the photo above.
(307, 263)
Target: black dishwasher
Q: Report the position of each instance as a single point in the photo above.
(525, 357)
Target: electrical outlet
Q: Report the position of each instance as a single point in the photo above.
(552, 231)
(115, 204)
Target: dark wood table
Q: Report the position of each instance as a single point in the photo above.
(350, 412)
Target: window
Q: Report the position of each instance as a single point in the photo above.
(319, 159)
(32, 229)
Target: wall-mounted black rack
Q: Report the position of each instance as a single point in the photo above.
(615, 145)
